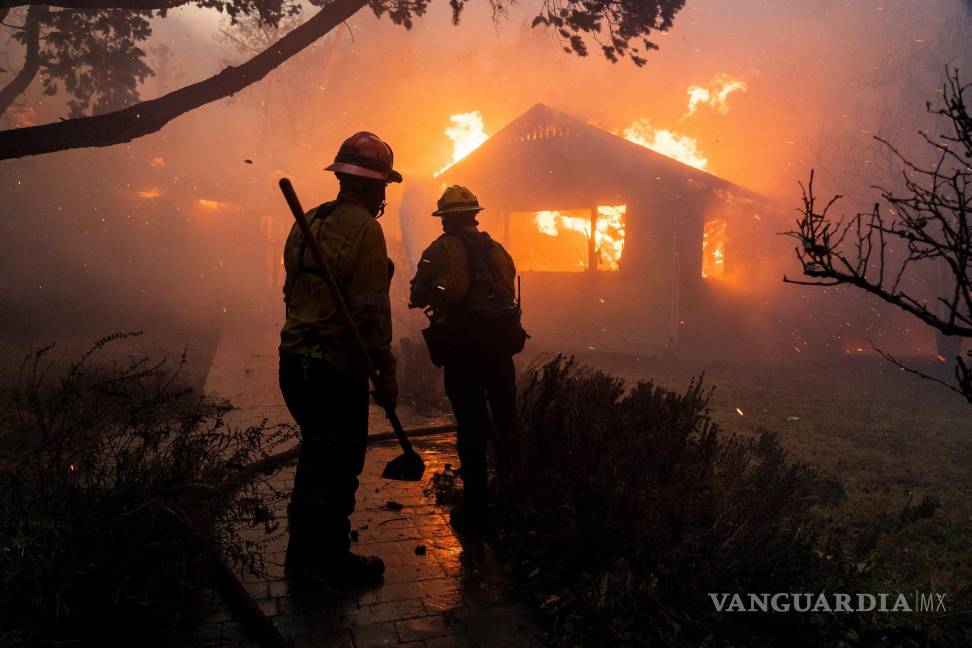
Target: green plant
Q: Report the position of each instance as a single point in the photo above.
(116, 484)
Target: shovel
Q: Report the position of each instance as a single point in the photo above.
(409, 465)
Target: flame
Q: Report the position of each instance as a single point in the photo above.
(608, 234)
(714, 249)
(678, 147)
(715, 95)
(467, 134)
(149, 193)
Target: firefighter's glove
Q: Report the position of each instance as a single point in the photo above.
(386, 394)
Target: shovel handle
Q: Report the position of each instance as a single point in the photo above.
(315, 247)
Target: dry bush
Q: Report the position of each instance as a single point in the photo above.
(626, 508)
(116, 484)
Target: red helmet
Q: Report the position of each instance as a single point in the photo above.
(365, 155)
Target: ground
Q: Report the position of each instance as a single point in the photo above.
(886, 435)
(451, 592)
(889, 437)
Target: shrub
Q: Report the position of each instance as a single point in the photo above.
(115, 486)
(627, 508)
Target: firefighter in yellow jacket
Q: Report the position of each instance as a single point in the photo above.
(322, 380)
(465, 281)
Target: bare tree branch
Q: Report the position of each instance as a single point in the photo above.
(149, 116)
(20, 83)
(926, 242)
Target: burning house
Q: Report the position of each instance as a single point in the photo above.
(616, 244)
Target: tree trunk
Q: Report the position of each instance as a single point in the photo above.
(19, 83)
(150, 116)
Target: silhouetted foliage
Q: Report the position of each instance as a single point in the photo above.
(91, 49)
(95, 57)
(631, 506)
(915, 251)
(116, 485)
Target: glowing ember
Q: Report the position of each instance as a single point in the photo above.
(715, 95)
(212, 205)
(157, 162)
(678, 147)
(714, 249)
(467, 134)
(149, 193)
(608, 234)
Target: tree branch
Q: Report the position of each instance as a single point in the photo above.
(149, 116)
(134, 5)
(20, 83)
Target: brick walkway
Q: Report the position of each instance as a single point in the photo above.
(438, 590)
(449, 592)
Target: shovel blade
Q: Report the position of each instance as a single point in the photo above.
(405, 467)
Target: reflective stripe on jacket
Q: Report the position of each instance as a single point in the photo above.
(354, 248)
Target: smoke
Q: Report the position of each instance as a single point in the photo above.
(183, 228)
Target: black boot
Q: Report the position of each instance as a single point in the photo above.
(347, 571)
(473, 520)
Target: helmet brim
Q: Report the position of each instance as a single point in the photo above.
(361, 172)
(448, 211)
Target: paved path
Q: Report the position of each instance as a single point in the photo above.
(438, 590)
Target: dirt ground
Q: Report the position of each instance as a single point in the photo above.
(886, 435)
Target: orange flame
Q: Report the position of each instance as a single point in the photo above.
(716, 94)
(467, 134)
(608, 233)
(714, 249)
(678, 147)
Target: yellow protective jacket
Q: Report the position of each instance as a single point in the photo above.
(442, 278)
(354, 248)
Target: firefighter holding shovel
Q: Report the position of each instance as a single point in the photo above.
(336, 336)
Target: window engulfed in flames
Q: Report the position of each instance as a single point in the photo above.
(714, 249)
(565, 242)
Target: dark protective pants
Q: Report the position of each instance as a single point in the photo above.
(332, 412)
(471, 386)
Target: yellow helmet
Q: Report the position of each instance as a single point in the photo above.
(457, 200)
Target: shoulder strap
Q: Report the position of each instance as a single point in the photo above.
(322, 212)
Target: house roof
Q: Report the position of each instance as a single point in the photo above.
(546, 159)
